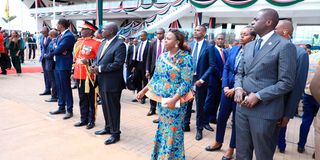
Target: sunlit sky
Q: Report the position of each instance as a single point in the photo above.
(23, 21)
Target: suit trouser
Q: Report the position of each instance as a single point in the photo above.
(201, 94)
(32, 49)
(51, 79)
(141, 78)
(227, 106)
(47, 82)
(86, 102)
(212, 102)
(310, 109)
(188, 116)
(317, 135)
(63, 82)
(254, 133)
(111, 111)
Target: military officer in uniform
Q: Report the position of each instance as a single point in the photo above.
(85, 50)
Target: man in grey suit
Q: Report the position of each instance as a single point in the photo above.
(285, 29)
(265, 74)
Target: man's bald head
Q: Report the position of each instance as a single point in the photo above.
(265, 21)
(284, 28)
(110, 30)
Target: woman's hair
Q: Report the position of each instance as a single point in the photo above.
(180, 37)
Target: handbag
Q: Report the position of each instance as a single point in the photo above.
(131, 85)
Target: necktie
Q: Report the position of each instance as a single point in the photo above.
(257, 47)
(134, 53)
(222, 55)
(195, 58)
(104, 48)
(140, 50)
(159, 49)
(238, 57)
(60, 37)
(45, 41)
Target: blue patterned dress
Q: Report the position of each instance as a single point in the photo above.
(167, 80)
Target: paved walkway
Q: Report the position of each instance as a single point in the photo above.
(28, 132)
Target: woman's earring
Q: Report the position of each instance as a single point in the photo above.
(176, 46)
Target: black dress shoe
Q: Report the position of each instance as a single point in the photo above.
(143, 101)
(57, 112)
(51, 100)
(211, 149)
(134, 100)
(156, 121)
(102, 132)
(300, 150)
(186, 128)
(208, 127)
(112, 140)
(68, 115)
(199, 135)
(45, 93)
(150, 113)
(226, 158)
(90, 126)
(282, 150)
(214, 121)
(193, 111)
(79, 124)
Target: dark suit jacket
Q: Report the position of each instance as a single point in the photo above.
(49, 62)
(292, 98)
(110, 79)
(129, 62)
(145, 55)
(206, 62)
(230, 70)
(216, 77)
(271, 74)
(152, 57)
(32, 43)
(63, 51)
(44, 47)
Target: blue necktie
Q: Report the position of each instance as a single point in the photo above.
(194, 58)
(257, 47)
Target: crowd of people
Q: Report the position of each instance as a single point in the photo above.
(260, 80)
(12, 49)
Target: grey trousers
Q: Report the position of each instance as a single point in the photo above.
(255, 134)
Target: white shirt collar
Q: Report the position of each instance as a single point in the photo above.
(64, 32)
(199, 42)
(111, 39)
(266, 37)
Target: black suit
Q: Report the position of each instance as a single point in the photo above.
(129, 59)
(151, 65)
(32, 47)
(140, 66)
(111, 83)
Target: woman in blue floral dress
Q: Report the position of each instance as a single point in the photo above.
(171, 82)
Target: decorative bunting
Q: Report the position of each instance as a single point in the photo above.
(160, 5)
(239, 4)
(146, 6)
(202, 3)
(283, 3)
(164, 11)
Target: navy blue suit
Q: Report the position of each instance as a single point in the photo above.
(44, 50)
(227, 105)
(292, 99)
(49, 67)
(205, 67)
(214, 88)
(63, 64)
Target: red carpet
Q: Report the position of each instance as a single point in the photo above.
(33, 69)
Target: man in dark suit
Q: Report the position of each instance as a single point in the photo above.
(155, 50)
(44, 43)
(63, 64)
(139, 64)
(32, 46)
(285, 29)
(130, 57)
(49, 65)
(203, 64)
(214, 88)
(108, 66)
(265, 74)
